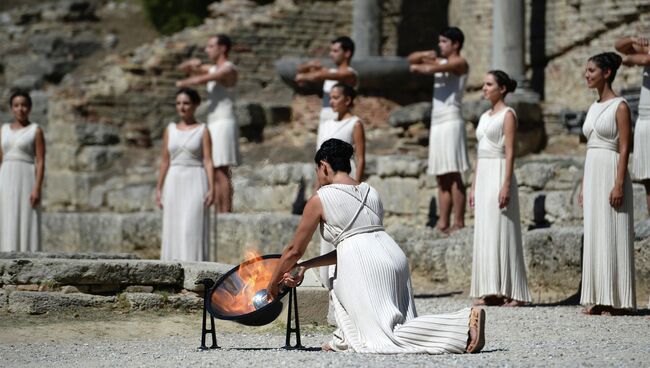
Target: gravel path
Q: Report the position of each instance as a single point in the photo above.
(529, 337)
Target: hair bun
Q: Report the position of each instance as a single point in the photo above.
(512, 85)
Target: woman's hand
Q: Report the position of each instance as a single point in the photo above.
(504, 196)
(294, 278)
(159, 198)
(209, 199)
(272, 291)
(616, 196)
(35, 197)
(471, 198)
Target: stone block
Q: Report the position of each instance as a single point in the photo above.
(395, 165)
(97, 158)
(399, 195)
(141, 233)
(265, 198)
(405, 116)
(534, 174)
(132, 198)
(145, 301)
(553, 258)
(69, 289)
(185, 302)
(91, 272)
(96, 134)
(424, 249)
(642, 229)
(269, 233)
(561, 206)
(640, 206)
(458, 258)
(88, 232)
(4, 298)
(197, 271)
(70, 255)
(42, 302)
(139, 289)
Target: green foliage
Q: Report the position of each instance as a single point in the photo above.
(170, 16)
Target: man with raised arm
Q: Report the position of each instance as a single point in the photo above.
(447, 142)
(341, 52)
(220, 78)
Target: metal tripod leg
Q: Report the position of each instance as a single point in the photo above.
(207, 285)
(293, 302)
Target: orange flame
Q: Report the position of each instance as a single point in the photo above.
(255, 276)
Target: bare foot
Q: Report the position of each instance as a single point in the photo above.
(479, 301)
(514, 303)
(594, 310)
(456, 228)
(326, 347)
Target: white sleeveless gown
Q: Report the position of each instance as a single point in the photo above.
(186, 230)
(498, 266)
(222, 123)
(372, 295)
(20, 229)
(608, 259)
(447, 138)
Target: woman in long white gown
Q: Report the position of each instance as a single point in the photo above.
(185, 188)
(498, 268)
(22, 166)
(606, 196)
(372, 294)
(348, 128)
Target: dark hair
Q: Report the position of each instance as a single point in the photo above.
(346, 44)
(504, 80)
(191, 93)
(608, 61)
(20, 93)
(454, 34)
(224, 40)
(336, 153)
(348, 91)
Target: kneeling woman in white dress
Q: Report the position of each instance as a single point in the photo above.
(185, 189)
(498, 268)
(372, 294)
(22, 165)
(606, 196)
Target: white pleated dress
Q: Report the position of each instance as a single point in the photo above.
(343, 130)
(186, 230)
(498, 266)
(641, 156)
(608, 259)
(372, 295)
(447, 137)
(222, 122)
(20, 226)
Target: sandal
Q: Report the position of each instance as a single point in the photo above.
(594, 310)
(477, 322)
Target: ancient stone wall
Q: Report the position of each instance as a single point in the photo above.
(560, 36)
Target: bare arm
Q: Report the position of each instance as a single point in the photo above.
(345, 76)
(359, 138)
(510, 130)
(309, 66)
(209, 169)
(193, 66)
(636, 59)
(164, 167)
(624, 126)
(294, 251)
(457, 66)
(419, 57)
(39, 143)
(225, 75)
(632, 45)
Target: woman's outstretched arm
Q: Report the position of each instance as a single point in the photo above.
(311, 217)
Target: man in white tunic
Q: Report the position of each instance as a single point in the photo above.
(637, 53)
(447, 142)
(341, 52)
(221, 79)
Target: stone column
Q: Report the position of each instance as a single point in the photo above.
(508, 37)
(366, 27)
